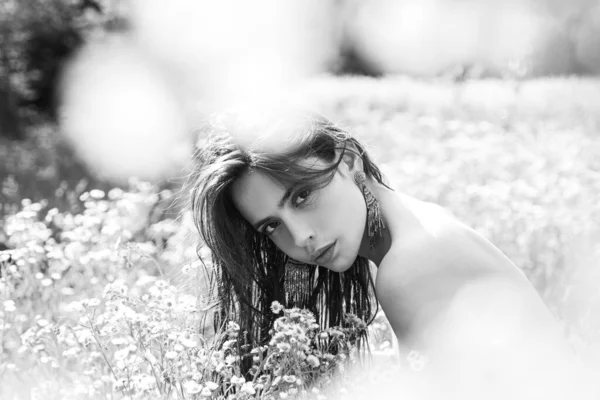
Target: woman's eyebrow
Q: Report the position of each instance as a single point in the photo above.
(284, 198)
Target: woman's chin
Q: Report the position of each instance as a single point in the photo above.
(339, 266)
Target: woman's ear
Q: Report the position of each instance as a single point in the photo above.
(352, 157)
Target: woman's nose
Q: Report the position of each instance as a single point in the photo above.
(302, 234)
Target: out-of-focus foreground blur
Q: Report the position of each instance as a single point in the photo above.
(489, 108)
(118, 75)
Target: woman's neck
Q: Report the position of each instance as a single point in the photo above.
(384, 241)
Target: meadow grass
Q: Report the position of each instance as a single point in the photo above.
(104, 296)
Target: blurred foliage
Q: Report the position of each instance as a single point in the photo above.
(37, 37)
(43, 167)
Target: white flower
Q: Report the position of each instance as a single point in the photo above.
(121, 354)
(97, 194)
(9, 306)
(276, 307)
(247, 388)
(235, 380)
(313, 361)
(93, 303)
(211, 385)
(232, 326)
(284, 347)
(231, 359)
(187, 342)
(171, 354)
(192, 387)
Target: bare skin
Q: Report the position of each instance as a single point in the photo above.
(446, 290)
(451, 294)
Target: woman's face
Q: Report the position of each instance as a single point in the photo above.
(316, 226)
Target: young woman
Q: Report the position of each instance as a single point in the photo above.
(294, 209)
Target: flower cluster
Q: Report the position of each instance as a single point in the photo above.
(93, 305)
(150, 346)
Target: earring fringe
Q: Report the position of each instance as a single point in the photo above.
(375, 222)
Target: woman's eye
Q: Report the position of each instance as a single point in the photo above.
(270, 228)
(301, 197)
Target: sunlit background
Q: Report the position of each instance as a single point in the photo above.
(114, 72)
(489, 108)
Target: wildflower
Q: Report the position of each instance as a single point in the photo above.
(230, 359)
(295, 316)
(9, 306)
(276, 307)
(171, 355)
(211, 385)
(121, 354)
(192, 387)
(187, 342)
(96, 194)
(71, 352)
(42, 322)
(238, 380)
(289, 378)
(161, 284)
(283, 395)
(335, 333)
(247, 388)
(284, 347)
(232, 326)
(93, 303)
(115, 194)
(205, 392)
(313, 361)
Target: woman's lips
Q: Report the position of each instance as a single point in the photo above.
(326, 255)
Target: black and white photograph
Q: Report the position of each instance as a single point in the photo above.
(299, 199)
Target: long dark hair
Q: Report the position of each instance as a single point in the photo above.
(251, 272)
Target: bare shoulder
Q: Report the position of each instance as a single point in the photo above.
(418, 260)
(436, 257)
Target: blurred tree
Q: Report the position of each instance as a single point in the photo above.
(9, 121)
(37, 38)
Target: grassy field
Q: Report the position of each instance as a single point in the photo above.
(517, 161)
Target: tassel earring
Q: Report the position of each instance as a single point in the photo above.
(375, 223)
